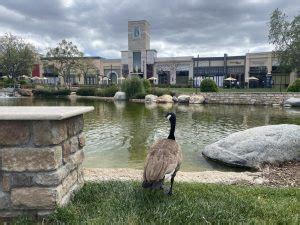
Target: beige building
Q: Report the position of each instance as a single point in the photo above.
(140, 60)
(264, 66)
(173, 70)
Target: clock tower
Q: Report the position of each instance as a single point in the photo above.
(139, 59)
(138, 35)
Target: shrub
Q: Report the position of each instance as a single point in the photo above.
(147, 85)
(86, 91)
(294, 87)
(107, 91)
(51, 92)
(23, 82)
(133, 86)
(208, 85)
(139, 95)
(6, 82)
(162, 91)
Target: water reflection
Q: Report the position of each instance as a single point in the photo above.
(119, 133)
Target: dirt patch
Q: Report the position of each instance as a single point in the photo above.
(99, 174)
(287, 174)
(284, 175)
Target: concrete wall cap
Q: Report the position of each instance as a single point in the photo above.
(41, 112)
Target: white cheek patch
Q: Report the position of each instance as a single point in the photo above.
(168, 117)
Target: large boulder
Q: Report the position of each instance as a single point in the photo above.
(256, 146)
(25, 92)
(197, 99)
(164, 99)
(150, 98)
(293, 102)
(120, 96)
(184, 99)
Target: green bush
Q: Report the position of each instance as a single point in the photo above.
(51, 92)
(161, 91)
(6, 82)
(107, 91)
(86, 91)
(23, 82)
(208, 85)
(294, 87)
(147, 85)
(140, 95)
(133, 86)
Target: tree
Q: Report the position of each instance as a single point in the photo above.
(16, 56)
(86, 66)
(64, 57)
(285, 36)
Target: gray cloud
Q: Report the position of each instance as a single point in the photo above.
(178, 27)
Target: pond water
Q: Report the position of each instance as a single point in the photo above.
(119, 133)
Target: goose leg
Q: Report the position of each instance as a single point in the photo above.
(172, 181)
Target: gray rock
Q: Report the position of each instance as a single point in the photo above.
(175, 99)
(293, 102)
(184, 99)
(150, 98)
(256, 146)
(25, 92)
(4, 200)
(197, 99)
(120, 96)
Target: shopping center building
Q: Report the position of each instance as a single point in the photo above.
(140, 60)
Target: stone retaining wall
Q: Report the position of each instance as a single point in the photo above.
(40, 164)
(248, 98)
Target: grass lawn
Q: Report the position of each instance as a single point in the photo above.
(116, 202)
(237, 90)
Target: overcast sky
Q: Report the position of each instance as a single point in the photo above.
(178, 27)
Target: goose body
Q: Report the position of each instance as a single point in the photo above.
(163, 161)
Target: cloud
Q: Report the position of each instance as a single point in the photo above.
(178, 27)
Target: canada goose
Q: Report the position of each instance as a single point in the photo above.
(163, 160)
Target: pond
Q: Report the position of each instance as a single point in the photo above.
(119, 133)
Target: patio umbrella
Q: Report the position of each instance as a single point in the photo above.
(24, 76)
(152, 78)
(253, 78)
(230, 78)
(35, 78)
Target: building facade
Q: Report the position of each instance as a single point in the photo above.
(220, 68)
(258, 69)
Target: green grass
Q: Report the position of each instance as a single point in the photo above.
(192, 203)
(236, 90)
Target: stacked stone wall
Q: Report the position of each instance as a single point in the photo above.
(248, 98)
(40, 165)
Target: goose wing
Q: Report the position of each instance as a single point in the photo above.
(164, 157)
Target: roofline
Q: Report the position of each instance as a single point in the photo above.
(218, 58)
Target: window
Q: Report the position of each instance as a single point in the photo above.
(164, 77)
(90, 80)
(136, 62)
(182, 77)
